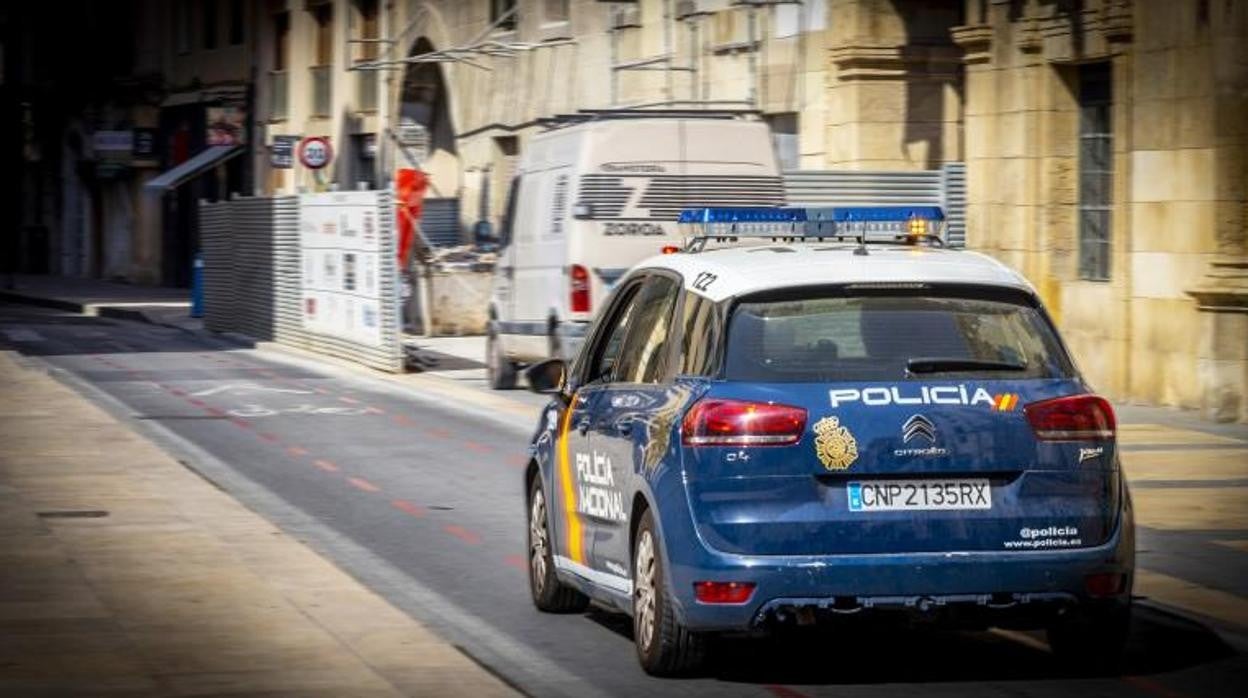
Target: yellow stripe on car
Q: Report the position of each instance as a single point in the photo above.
(574, 545)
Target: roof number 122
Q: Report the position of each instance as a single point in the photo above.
(703, 281)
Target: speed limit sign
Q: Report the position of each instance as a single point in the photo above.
(314, 152)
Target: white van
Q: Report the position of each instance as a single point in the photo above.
(593, 198)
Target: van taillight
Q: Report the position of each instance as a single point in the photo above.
(580, 288)
(715, 422)
(1072, 418)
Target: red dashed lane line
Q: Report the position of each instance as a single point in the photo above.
(327, 466)
(517, 460)
(478, 447)
(348, 400)
(403, 420)
(240, 423)
(409, 508)
(438, 433)
(1151, 687)
(296, 451)
(463, 534)
(361, 483)
(516, 561)
(784, 691)
(271, 438)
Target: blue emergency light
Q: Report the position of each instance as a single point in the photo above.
(862, 223)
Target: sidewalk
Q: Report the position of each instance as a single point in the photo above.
(155, 304)
(123, 573)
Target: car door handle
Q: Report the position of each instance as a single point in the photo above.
(623, 427)
(583, 425)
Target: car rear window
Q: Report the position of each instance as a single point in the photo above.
(886, 337)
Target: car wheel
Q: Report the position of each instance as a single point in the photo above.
(664, 646)
(499, 370)
(549, 594)
(1091, 641)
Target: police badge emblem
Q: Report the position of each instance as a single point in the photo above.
(834, 445)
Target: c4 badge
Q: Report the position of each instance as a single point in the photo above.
(834, 445)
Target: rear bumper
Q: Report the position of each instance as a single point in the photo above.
(1013, 585)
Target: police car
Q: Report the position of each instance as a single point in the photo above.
(810, 415)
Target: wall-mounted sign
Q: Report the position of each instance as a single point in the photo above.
(113, 144)
(226, 126)
(283, 155)
(144, 144)
(315, 152)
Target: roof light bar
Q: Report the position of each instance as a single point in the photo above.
(864, 223)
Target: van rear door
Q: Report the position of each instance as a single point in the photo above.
(637, 176)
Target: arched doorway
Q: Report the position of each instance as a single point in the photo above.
(426, 131)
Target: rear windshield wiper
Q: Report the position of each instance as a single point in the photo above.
(937, 364)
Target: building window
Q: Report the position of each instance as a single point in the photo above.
(237, 21)
(322, 95)
(279, 83)
(210, 24)
(499, 9)
(182, 26)
(1096, 170)
(784, 139)
(554, 11)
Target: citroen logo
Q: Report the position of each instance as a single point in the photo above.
(917, 426)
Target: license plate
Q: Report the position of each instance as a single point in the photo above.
(919, 495)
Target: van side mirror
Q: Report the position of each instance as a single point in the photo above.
(547, 377)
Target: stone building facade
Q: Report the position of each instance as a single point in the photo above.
(1106, 159)
(1105, 140)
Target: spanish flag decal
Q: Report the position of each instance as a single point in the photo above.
(1005, 402)
(575, 546)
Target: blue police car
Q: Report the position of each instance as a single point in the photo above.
(812, 414)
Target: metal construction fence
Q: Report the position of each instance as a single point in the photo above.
(945, 187)
(313, 271)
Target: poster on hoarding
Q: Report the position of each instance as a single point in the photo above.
(339, 236)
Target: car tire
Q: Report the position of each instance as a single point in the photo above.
(664, 646)
(549, 594)
(499, 370)
(1091, 641)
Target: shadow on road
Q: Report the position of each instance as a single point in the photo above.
(1160, 643)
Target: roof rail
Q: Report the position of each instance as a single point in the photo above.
(907, 225)
(648, 111)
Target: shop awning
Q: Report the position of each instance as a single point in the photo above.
(204, 160)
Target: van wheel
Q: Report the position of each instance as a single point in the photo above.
(664, 646)
(499, 370)
(1092, 641)
(554, 346)
(549, 594)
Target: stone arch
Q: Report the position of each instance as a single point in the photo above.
(424, 100)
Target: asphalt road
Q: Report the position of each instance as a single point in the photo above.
(421, 498)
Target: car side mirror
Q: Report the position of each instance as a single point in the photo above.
(581, 211)
(547, 377)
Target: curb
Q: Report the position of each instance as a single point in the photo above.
(41, 301)
(1233, 636)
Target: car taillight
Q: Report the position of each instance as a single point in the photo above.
(723, 592)
(580, 288)
(1073, 418)
(716, 422)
